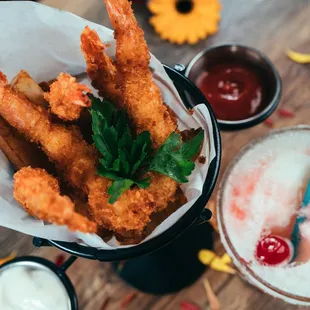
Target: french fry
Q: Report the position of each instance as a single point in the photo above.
(18, 150)
(24, 85)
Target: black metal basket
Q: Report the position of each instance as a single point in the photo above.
(197, 212)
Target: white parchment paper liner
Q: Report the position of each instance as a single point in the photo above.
(46, 41)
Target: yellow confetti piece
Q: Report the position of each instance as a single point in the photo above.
(8, 258)
(213, 300)
(206, 256)
(218, 265)
(298, 57)
(226, 259)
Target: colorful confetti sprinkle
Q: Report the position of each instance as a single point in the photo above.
(128, 299)
(215, 262)
(286, 113)
(214, 303)
(206, 256)
(211, 206)
(60, 258)
(226, 259)
(300, 58)
(186, 305)
(269, 122)
(8, 258)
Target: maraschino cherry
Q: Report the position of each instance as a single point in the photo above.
(274, 251)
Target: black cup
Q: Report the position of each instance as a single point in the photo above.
(46, 265)
(232, 53)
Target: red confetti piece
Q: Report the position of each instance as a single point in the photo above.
(105, 303)
(60, 258)
(128, 299)
(185, 305)
(286, 113)
(269, 122)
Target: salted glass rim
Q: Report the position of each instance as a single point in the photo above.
(244, 269)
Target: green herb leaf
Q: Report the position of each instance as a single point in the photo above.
(174, 159)
(141, 148)
(190, 148)
(103, 148)
(145, 183)
(104, 107)
(108, 174)
(117, 188)
(124, 159)
(122, 155)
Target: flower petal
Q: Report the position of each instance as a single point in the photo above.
(189, 27)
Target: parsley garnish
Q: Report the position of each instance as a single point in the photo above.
(125, 159)
(122, 155)
(174, 158)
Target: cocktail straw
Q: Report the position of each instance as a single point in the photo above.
(295, 237)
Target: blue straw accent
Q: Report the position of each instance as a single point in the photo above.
(295, 237)
(306, 199)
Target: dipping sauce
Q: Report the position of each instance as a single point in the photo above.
(234, 91)
(31, 288)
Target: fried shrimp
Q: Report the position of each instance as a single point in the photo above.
(100, 66)
(67, 97)
(38, 193)
(77, 162)
(3, 79)
(142, 97)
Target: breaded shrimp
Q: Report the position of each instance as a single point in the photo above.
(67, 97)
(3, 79)
(131, 212)
(77, 162)
(100, 66)
(163, 189)
(142, 97)
(38, 193)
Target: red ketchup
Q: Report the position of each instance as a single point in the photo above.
(274, 251)
(234, 91)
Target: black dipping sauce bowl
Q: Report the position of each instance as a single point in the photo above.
(253, 59)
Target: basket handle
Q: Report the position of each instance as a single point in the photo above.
(204, 217)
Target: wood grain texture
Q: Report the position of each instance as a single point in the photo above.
(271, 26)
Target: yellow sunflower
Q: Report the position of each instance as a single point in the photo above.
(181, 21)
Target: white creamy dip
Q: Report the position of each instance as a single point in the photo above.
(31, 288)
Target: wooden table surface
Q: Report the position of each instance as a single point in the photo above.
(271, 26)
